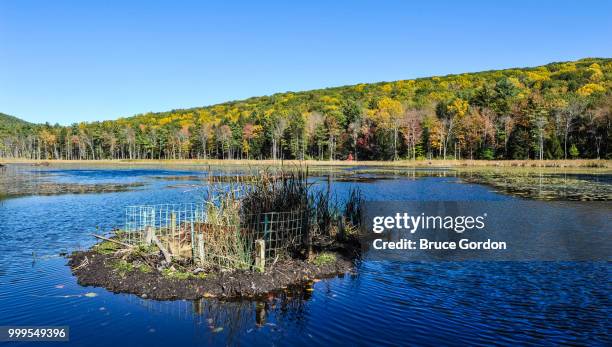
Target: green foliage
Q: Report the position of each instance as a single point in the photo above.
(106, 247)
(10, 124)
(519, 143)
(573, 151)
(324, 258)
(554, 150)
(487, 154)
(123, 267)
(506, 112)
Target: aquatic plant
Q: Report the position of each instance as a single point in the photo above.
(544, 186)
(353, 206)
(219, 241)
(275, 192)
(276, 207)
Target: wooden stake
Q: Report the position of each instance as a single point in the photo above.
(149, 235)
(173, 227)
(165, 252)
(260, 255)
(200, 238)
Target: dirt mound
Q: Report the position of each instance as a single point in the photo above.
(105, 270)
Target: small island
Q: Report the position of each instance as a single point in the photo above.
(250, 236)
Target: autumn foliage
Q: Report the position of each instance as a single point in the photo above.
(560, 110)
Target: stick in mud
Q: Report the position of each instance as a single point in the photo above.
(111, 240)
(165, 252)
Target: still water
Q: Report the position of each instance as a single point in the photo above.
(381, 303)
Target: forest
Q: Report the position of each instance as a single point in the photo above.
(556, 111)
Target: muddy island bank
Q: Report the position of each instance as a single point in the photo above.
(100, 268)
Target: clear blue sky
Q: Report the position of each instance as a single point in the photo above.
(67, 61)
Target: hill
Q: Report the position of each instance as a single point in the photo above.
(553, 111)
(10, 124)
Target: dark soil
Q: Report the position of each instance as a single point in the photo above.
(100, 271)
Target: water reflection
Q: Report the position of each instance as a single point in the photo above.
(228, 322)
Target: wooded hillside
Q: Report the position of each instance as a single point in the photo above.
(560, 110)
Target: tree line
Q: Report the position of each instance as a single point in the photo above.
(556, 111)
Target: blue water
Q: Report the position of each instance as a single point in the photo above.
(381, 303)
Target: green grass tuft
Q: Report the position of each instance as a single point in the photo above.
(123, 267)
(324, 259)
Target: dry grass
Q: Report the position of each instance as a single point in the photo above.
(435, 163)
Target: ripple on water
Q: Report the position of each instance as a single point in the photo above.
(475, 303)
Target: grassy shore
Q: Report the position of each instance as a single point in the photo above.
(435, 163)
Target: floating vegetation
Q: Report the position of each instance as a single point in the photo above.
(178, 178)
(18, 181)
(228, 178)
(362, 178)
(543, 186)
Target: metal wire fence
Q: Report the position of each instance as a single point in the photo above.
(281, 231)
(187, 232)
(172, 224)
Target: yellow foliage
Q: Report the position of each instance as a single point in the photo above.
(538, 76)
(47, 137)
(567, 67)
(463, 81)
(218, 109)
(326, 99)
(515, 81)
(165, 120)
(596, 73)
(389, 110)
(436, 132)
(359, 88)
(459, 107)
(233, 114)
(590, 88)
(439, 96)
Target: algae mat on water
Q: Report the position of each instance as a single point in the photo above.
(546, 186)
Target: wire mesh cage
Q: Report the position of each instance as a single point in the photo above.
(172, 224)
(188, 233)
(281, 231)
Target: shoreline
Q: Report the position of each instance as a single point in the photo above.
(434, 163)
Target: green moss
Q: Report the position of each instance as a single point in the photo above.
(324, 259)
(143, 250)
(181, 275)
(106, 247)
(145, 268)
(201, 275)
(123, 267)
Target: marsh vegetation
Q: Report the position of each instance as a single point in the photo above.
(252, 226)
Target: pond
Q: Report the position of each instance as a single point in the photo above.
(381, 302)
